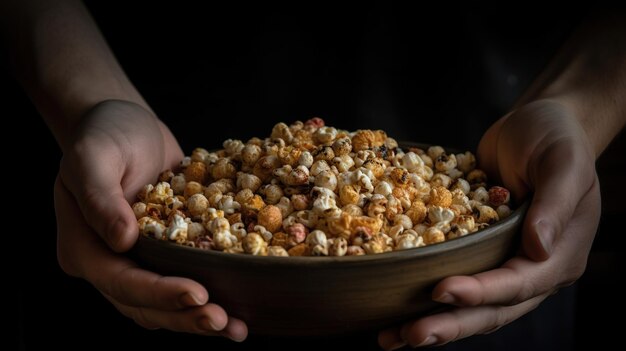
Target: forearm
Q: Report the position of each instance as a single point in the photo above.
(589, 73)
(62, 61)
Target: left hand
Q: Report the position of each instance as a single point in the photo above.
(539, 148)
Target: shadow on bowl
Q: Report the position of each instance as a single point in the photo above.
(308, 296)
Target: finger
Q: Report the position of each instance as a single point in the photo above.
(390, 339)
(206, 320)
(235, 330)
(517, 280)
(561, 177)
(114, 274)
(463, 322)
(96, 185)
(209, 318)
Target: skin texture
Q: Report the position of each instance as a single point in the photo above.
(112, 142)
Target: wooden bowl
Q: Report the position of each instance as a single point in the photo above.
(298, 296)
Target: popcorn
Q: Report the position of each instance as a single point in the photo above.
(197, 204)
(149, 226)
(196, 172)
(178, 183)
(306, 159)
(342, 146)
(417, 212)
(140, 209)
(466, 162)
(248, 181)
(498, 196)
(440, 196)
(445, 163)
(316, 238)
(326, 179)
(313, 190)
(278, 251)
(270, 217)
(272, 193)
(254, 244)
(177, 231)
(337, 247)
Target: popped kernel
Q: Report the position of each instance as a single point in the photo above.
(440, 179)
(306, 159)
(285, 206)
(150, 226)
(445, 163)
(300, 202)
(270, 217)
(313, 190)
(296, 234)
(280, 239)
(481, 195)
(466, 162)
(417, 212)
(298, 250)
(248, 181)
(177, 230)
(140, 209)
(354, 250)
(323, 153)
(166, 176)
(435, 151)
(486, 214)
(342, 146)
(277, 251)
(197, 204)
(195, 230)
(250, 154)
(254, 244)
(326, 179)
(440, 196)
(196, 172)
(337, 247)
(316, 238)
(192, 188)
(503, 211)
(433, 235)
(498, 196)
(272, 193)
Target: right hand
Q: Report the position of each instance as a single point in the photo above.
(118, 148)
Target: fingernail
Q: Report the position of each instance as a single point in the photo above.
(190, 300)
(396, 346)
(545, 232)
(445, 298)
(206, 324)
(428, 341)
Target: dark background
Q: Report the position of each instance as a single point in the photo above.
(431, 76)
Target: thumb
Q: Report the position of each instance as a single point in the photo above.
(95, 183)
(560, 176)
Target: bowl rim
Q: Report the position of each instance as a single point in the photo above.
(320, 261)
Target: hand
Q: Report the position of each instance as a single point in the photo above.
(118, 148)
(539, 148)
